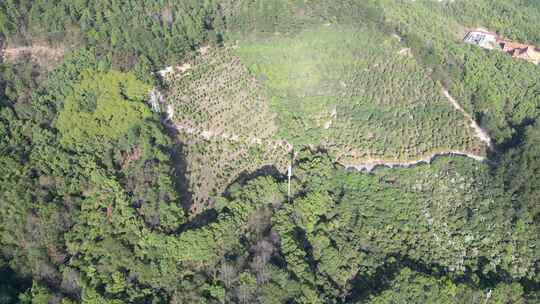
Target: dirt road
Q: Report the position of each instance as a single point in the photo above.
(478, 131)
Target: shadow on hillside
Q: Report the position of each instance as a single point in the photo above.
(367, 286)
(244, 177)
(179, 177)
(11, 285)
(200, 220)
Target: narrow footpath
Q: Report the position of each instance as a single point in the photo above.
(367, 165)
(480, 133)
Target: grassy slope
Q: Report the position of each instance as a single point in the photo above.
(378, 103)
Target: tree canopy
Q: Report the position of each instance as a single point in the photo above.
(96, 188)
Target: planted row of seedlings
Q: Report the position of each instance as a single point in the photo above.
(220, 95)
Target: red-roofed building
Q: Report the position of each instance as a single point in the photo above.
(522, 51)
(490, 40)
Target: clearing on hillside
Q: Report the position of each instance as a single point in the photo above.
(218, 97)
(350, 91)
(347, 90)
(214, 164)
(225, 122)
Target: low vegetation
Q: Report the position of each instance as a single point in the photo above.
(353, 92)
(216, 94)
(213, 165)
(224, 120)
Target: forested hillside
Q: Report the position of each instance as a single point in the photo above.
(110, 196)
(135, 32)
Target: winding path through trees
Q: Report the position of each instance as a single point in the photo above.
(478, 131)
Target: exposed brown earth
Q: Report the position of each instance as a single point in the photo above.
(42, 55)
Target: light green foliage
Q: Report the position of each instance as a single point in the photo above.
(442, 208)
(350, 90)
(413, 287)
(508, 293)
(497, 89)
(295, 255)
(95, 237)
(308, 210)
(90, 296)
(101, 108)
(281, 288)
(312, 216)
(225, 124)
(37, 294)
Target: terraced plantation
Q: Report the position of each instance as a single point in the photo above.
(217, 95)
(357, 92)
(224, 119)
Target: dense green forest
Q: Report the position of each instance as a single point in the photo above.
(94, 202)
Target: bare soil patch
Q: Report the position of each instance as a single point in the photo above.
(43, 55)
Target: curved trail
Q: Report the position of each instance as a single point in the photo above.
(372, 164)
(478, 131)
(209, 134)
(367, 165)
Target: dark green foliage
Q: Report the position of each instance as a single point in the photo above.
(261, 15)
(503, 105)
(517, 19)
(89, 212)
(47, 185)
(412, 287)
(348, 225)
(289, 16)
(519, 171)
(161, 31)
